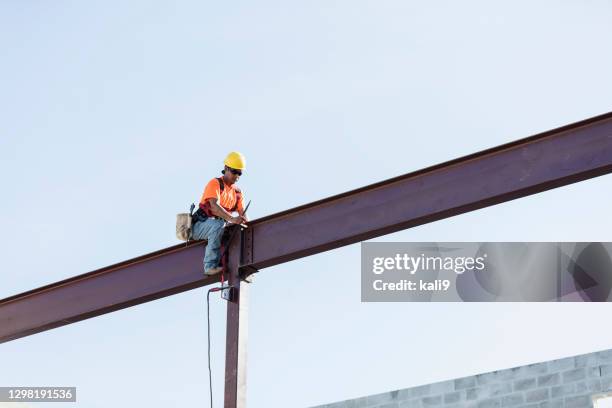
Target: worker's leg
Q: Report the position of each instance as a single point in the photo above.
(212, 255)
(210, 229)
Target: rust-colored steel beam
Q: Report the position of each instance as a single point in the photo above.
(537, 163)
(237, 331)
(148, 277)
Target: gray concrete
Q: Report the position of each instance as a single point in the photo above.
(563, 383)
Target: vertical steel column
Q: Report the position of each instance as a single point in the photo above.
(236, 337)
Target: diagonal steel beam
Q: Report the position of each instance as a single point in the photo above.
(148, 277)
(537, 163)
(527, 166)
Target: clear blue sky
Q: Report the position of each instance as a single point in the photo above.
(115, 114)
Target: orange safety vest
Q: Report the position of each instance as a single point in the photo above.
(205, 208)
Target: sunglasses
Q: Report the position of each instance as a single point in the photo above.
(235, 171)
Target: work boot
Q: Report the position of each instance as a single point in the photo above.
(213, 271)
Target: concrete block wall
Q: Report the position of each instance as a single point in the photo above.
(562, 383)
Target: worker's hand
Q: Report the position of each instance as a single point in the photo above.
(236, 220)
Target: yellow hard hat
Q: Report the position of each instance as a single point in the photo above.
(235, 160)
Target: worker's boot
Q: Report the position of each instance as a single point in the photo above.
(213, 271)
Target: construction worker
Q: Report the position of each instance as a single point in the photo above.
(221, 198)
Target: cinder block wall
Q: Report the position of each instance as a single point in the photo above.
(563, 383)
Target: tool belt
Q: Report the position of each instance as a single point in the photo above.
(200, 215)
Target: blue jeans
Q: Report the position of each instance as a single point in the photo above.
(210, 229)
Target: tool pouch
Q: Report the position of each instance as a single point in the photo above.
(184, 224)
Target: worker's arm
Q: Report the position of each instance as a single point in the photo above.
(243, 215)
(223, 213)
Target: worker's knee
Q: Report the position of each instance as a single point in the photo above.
(216, 224)
(216, 230)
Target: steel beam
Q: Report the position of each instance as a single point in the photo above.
(527, 166)
(537, 163)
(237, 330)
(147, 277)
